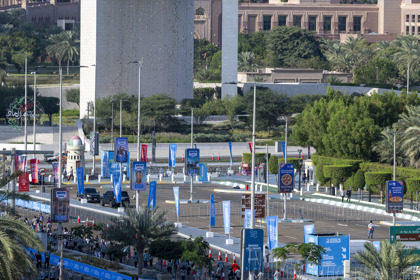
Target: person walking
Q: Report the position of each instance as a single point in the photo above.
(343, 194)
(348, 195)
(260, 275)
(277, 274)
(238, 273)
(47, 258)
(371, 228)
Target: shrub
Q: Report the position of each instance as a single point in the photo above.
(259, 157)
(378, 180)
(71, 113)
(359, 179)
(273, 164)
(297, 162)
(413, 184)
(338, 173)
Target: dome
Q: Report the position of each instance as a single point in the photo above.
(75, 141)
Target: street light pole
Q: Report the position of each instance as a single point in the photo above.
(112, 125)
(408, 77)
(285, 161)
(140, 64)
(26, 101)
(192, 144)
(377, 74)
(34, 128)
(252, 224)
(60, 162)
(299, 161)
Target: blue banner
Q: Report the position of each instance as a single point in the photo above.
(172, 155)
(203, 173)
(117, 187)
(80, 180)
(121, 149)
(139, 172)
(226, 216)
(309, 229)
(395, 197)
(109, 166)
(273, 232)
(283, 147)
(286, 178)
(44, 208)
(230, 151)
(212, 212)
(176, 196)
(55, 170)
(247, 218)
(105, 164)
(192, 161)
(151, 201)
(252, 250)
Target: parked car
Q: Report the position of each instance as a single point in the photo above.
(91, 194)
(53, 158)
(109, 198)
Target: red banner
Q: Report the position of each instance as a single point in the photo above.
(250, 146)
(24, 182)
(34, 170)
(143, 153)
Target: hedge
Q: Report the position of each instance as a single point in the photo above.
(404, 172)
(413, 184)
(377, 178)
(273, 164)
(296, 162)
(317, 159)
(359, 179)
(259, 157)
(338, 173)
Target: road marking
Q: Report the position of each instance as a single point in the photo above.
(343, 225)
(290, 237)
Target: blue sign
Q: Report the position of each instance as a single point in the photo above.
(247, 218)
(252, 242)
(283, 147)
(151, 201)
(336, 252)
(104, 164)
(80, 180)
(395, 197)
(176, 196)
(109, 166)
(117, 187)
(286, 177)
(309, 229)
(212, 212)
(139, 172)
(44, 208)
(192, 161)
(272, 232)
(121, 149)
(226, 216)
(203, 173)
(172, 155)
(376, 245)
(230, 151)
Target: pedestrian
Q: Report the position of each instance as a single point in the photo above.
(135, 259)
(343, 194)
(277, 275)
(219, 272)
(183, 272)
(38, 260)
(151, 261)
(371, 228)
(348, 195)
(47, 258)
(145, 259)
(103, 250)
(169, 266)
(260, 275)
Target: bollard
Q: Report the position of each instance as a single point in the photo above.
(173, 177)
(196, 178)
(185, 178)
(112, 181)
(308, 186)
(124, 178)
(301, 191)
(49, 178)
(99, 178)
(160, 177)
(209, 177)
(317, 187)
(87, 178)
(30, 177)
(148, 178)
(75, 179)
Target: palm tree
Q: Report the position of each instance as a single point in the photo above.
(15, 235)
(139, 229)
(409, 124)
(385, 148)
(388, 261)
(64, 46)
(246, 62)
(408, 54)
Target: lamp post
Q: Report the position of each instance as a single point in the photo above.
(26, 101)
(112, 125)
(408, 77)
(121, 101)
(300, 165)
(35, 93)
(285, 161)
(140, 65)
(192, 144)
(394, 173)
(377, 74)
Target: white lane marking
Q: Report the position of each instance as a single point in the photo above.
(343, 225)
(290, 237)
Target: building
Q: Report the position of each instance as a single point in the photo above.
(76, 155)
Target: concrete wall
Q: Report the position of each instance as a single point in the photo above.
(114, 33)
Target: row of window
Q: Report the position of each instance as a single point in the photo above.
(75, 157)
(413, 30)
(312, 21)
(413, 18)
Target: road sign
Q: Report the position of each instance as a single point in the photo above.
(252, 250)
(259, 204)
(42, 171)
(409, 235)
(395, 197)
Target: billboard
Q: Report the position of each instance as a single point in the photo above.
(34, 170)
(272, 232)
(394, 201)
(109, 166)
(192, 161)
(24, 182)
(60, 205)
(94, 143)
(286, 177)
(252, 249)
(138, 177)
(121, 149)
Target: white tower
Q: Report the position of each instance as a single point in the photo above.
(76, 155)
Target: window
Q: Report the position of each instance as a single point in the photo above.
(357, 24)
(297, 21)
(327, 24)
(413, 18)
(418, 30)
(407, 18)
(413, 30)
(312, 23)
(282, 20)
(407, 30)
(342, 24)
(267, 22)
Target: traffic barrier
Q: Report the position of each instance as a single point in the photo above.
(294, 274)
(183, 158)
(226, 257)
(93, 223)
(87, 221)
(78, 218)
(218, 158)
(234, 258)
(209, 252)
(223, 276)
(219, 258)
(212, 157)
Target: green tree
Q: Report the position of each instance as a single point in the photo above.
(158, 108)
(388, 261)
(232, 105)
(413, 186)
(73, 95)
(64, 46)
(51, 105)
(166, 249)
(273, 165)
(139, 229)
(385, 148)
(359, 179)
(247, 62)
(385, 68)
(195, 250)
(338, 173)
(269, 107)
(409, 124)
(378, 180)
(286, 46)
(408, 54)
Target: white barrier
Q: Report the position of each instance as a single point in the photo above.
(173, 177)
(87, 178)
(99, 178)
(160, 177)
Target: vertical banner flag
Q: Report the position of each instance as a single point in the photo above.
(94, 143)
(23, 163)
(212, 212)
(230, 151)
(286, 175)
(250, 146)
(247, 218)
(80, 180)
(309, 229)
(226, 216)
(121, 149)
(395, 197)
(104, 164)
(139, 172)
(192, 162)
(24, 182)
(272, 232)
(60, 205)
(283, 148)
(203, 173)
(172, 155)
(151, 201)
(16, 162)
(34, 170)
(176, 196)
(55, 171)
(117, 187)
(143, 152)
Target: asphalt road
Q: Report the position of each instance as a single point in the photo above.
(327, 219)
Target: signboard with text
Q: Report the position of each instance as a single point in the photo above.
(60, 205)
(286, 177)
(259, 204)
(192, 161)
(24, 182)
(409, 235)
(394, 200)
(252, 243)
